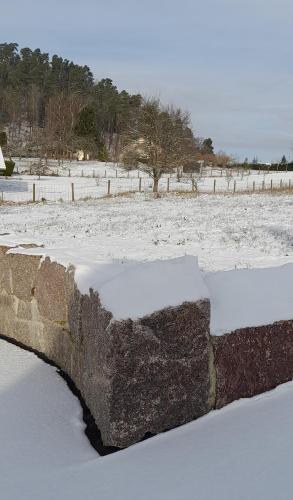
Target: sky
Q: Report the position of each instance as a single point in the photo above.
(228, 62)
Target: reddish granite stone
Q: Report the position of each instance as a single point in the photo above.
(249, 361)
(159, 372)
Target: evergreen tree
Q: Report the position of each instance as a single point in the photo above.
(58, 101)
(207, 146)
(86, 124)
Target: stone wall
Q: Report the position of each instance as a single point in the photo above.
(138, 377)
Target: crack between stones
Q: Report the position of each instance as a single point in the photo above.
(213, 375)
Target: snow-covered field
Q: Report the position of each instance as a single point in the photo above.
(90, 180)
(225, 232)
(242, 452)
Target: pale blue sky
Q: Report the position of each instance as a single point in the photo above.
(229, 62)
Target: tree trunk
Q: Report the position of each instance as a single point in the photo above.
(156, 185)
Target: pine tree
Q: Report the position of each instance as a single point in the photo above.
(207, 146)
(86, 124)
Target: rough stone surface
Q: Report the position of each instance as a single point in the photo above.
(159, 370)
(24, 274)
(137, 377)
(53, 291)
(249, 361)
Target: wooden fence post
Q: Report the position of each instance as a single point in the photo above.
(168, 184)
(214, 186)
(109, 187)
(72, 191)
(34, 193)
(253, 186)
(234, 187)
(139, 185)
(194, 186)
(271, 184)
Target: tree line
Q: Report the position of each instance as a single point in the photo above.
(52, 107)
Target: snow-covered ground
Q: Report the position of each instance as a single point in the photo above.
(242, 452)
(225, 232)
(90, 180)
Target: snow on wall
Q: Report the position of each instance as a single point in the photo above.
(129, 289)
(151, 286)
(132, 289)
(250, 297)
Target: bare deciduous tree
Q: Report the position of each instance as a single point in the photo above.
(158, 140)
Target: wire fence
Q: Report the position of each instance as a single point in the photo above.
(43, 188)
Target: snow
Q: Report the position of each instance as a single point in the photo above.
(250, 297)
(243, 451)
(131, 290)
(225, 232)
(40, 419)
(135, 289)
(111, 242)
(90, 179)
(2, 162)
(148, 287)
